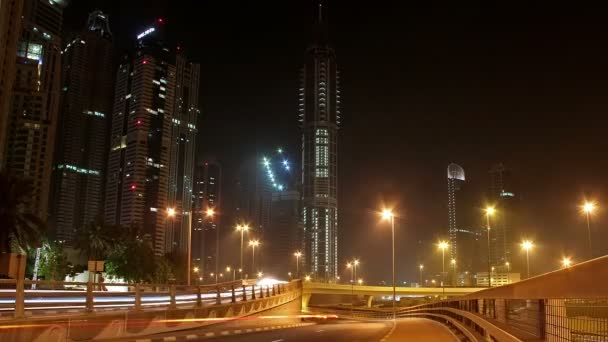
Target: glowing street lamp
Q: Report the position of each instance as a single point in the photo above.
(260, 274)
(297, 254)
(489, 212)
(307, 278)
(527, 245)
(171, 212)
(453, 263)
(588, 208)
(253, 244)
(209, 213)
(566, 262)
(360, 281)
(228, 269)
(242, 228)
(387, 214)
(421, 267)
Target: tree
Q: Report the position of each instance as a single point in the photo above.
(54, 264)
(163, 272)
(132, 258)
(21, 228)
(96, 239)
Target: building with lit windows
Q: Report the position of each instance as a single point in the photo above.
(319, 116)
(10, 32)
(206, 228)
(82, 134)
(150, 163)
(456, 179)
(34, 98)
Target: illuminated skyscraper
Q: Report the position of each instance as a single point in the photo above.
(502, 195)
(319, 116)
(150, 166)
(455, 181)
(34, 99)
(84, 121)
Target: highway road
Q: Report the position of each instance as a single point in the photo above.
(408, 329)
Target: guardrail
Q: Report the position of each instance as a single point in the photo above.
(18, 299)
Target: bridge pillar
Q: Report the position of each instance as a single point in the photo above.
(305, 301)
(369, 300)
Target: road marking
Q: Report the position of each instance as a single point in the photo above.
(265, 328)
(191, 337)
(209, 334)
(258, 329)
(169, 338)
(279, 340)
(390, 332)
(238, 331)
(320, 330)
(249, 330)
(145, 340)
(225, 332)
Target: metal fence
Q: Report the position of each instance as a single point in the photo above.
(29, 298)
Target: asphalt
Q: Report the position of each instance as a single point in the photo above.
(408, 329)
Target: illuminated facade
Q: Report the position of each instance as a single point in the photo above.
(82, 135)
(319, 116)
(456, 179)
(502, 196)
(150, 165)
(34, 99)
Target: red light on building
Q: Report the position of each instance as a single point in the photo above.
(144, 62)
(206, 164)
(133, 187)
(138, 122)
(160, 20)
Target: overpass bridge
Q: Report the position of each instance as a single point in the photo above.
(311, 289)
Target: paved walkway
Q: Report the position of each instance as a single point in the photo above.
(419, 329)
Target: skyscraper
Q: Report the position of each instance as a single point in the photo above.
(455, 181)
(206, 228)
(282, 237)
(34, 100)
(319, 116)
(82, 139)
(502, 195)
(10, 31)
(149, 166)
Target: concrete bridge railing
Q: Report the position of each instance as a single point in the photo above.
(141, 320)
(566, 305)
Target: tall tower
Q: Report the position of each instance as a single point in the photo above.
(319, 113)
(206, 228)
(82, 139)
(503, 196)
(149, 166)
(455, 181)
(10, 31)
(34, 100)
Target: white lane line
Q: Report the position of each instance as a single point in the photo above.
(238, 331)
(279, 340)
(191, 337)
(320, 330)
(390, 332)
(265, 328)
(144, 340)
(169, 338)
(258, 329)
(225, 332)
(249, 330)
(209, 334)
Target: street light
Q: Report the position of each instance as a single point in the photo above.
(566, 262)
(489, 212)
(260, 274)
(242, 229)
(307, 278)
(421, 267)
(388, 215)
(508, 266)
(209, 213)
(360, 281)
(527, 245)
(228, 268)
(253, 244)
(588, 209)
(297, 254)
(453, 262)
(443, 245)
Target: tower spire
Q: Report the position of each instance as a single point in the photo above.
(321, 31)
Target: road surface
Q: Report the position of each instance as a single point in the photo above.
(408, 329)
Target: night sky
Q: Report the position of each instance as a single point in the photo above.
(422, 86)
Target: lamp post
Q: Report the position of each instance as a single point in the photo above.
(443, 245)
(297, 254)
(196, 269)
(588, 209)
(242, 229)
(388, 215)
(228, 269)
(209, 214)
(421, 267)
(453, 262)
(489, 212)
(253, 244)
(527, 246)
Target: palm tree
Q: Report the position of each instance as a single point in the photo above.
(21, 228)
(95, 239)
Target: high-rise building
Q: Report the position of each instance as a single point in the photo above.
(206, 226)
(34, 99)
(10, 31)
(319, 116)
(456, 179)
(502, 195)
(156, 90)
(282, 238)
(83, 130)
(254, 196)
